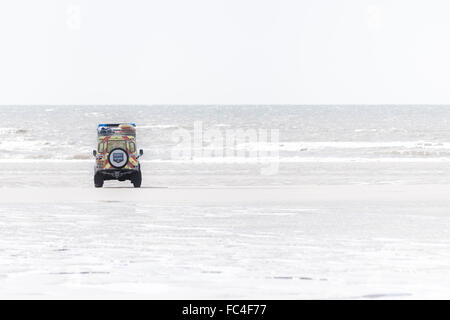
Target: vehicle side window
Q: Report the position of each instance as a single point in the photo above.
(132, 147)
(101, 147)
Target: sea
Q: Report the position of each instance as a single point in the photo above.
(269, 144)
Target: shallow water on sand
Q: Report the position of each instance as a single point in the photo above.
(294, 250)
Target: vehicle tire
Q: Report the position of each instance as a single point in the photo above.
(98, 180)
(137, 179)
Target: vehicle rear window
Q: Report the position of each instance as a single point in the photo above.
(116, 144)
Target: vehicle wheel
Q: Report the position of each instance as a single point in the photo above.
(137, 179)
(98, 180)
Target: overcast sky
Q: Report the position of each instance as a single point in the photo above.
(224, 52)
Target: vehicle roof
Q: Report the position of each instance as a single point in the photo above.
(115, 124)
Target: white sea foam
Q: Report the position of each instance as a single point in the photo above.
(319, 145)
(159, 126)
(302, 160)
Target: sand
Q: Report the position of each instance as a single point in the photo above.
(238, 242)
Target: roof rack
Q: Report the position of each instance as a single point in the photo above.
(116, 129)
(116, 124)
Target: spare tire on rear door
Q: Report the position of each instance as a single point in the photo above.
(118, 158)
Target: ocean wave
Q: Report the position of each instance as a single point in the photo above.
(301, 160)
(12, 131)
(320, 145)
(81, 156)
(245, 160)
(159, 126)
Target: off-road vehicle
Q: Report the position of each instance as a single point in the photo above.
(116, 156)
